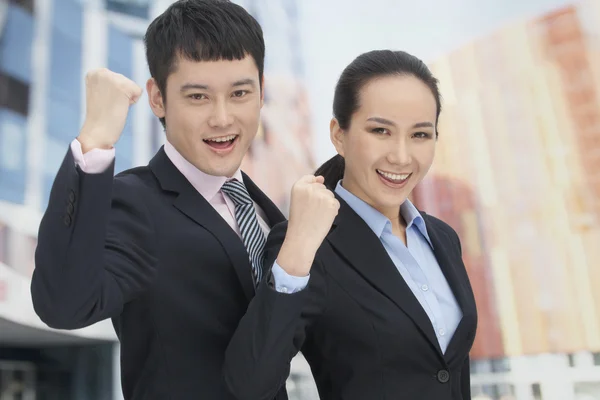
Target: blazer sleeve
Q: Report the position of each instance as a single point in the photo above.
(95, 248)
(465, 376)
(273, 330)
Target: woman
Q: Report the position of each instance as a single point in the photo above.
(388, 312)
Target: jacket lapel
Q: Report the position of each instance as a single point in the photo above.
(192, 204)
(450, 262)
(274, 215)
(447, 260)
(363, 250)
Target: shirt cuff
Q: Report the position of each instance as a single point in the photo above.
(286, 283)
(95, 161)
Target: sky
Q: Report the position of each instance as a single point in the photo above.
(334, 32)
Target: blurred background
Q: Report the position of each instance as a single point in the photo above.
(517, 172)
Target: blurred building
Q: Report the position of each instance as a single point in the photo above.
(46, 48)
(282, 150)
(284, 138)
(42, 64)
(518, 176)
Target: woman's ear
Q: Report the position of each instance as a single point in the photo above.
(337, 136)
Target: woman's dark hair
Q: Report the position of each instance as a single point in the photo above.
(362, 70)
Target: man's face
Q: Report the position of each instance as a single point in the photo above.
(212, 111)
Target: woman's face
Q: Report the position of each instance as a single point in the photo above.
(390, 143)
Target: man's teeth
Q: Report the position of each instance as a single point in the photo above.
(394, 177)
(222, 139)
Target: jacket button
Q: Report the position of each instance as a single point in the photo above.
(443, 376)
(70, 208)
(72, 196)
(67, 220)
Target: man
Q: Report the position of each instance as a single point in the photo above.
(170, 251)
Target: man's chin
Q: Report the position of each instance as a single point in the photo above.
(222, 170)
(214, 165)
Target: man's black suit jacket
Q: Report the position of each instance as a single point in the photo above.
(147, 250)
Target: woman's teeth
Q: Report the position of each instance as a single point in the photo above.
(393, 177)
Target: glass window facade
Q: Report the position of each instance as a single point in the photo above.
(63, 104)
(135, 8)
(16, 40)
(120, 60)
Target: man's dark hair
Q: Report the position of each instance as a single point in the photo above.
(201, 30)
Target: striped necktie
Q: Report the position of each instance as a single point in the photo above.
(245, 214)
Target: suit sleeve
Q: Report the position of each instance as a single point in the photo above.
(465, 376)
(95, 248)
(272, 332)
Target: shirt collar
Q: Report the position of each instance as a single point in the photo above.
(376, 220)
(207, 185)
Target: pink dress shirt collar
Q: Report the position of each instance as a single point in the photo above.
(207, 185)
